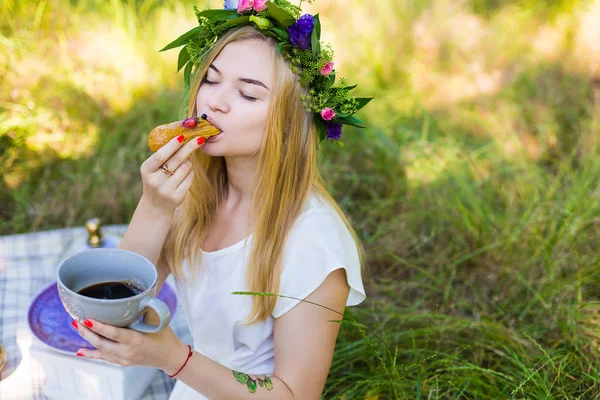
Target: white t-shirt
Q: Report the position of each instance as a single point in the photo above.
(318, 244)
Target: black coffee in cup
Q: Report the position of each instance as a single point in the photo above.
(112, 286)
(112, 290)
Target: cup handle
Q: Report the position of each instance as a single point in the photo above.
(164, 315)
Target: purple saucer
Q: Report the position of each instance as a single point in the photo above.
(49, 321)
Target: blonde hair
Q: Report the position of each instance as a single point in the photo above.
(288, 174)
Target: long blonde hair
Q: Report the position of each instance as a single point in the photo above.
(288, 174)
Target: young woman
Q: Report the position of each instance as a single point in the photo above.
(242, 211)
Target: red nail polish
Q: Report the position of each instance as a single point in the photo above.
(180, 138)
(74, 323)
(79, 355)
(88, 323)
(201, 140)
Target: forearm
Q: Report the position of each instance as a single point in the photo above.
(217, 382)
(146, 235)
(146, 232)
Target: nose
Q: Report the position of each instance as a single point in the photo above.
(218, 100)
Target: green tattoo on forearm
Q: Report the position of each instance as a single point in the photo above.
(245, 379)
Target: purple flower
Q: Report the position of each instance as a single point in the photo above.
(230, 4)
(334, 131)
(301, 30)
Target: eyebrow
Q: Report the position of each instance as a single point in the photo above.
(245, 80)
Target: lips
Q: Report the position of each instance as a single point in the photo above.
(216, 125)
(213, 122)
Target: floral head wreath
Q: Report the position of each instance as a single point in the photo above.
(298, 40)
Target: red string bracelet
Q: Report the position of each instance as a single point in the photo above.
(186, 360)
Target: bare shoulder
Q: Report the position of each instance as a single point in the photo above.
(305, 339)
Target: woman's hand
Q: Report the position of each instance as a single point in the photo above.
(126, 347)
(167, 174)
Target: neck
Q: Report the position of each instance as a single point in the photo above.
(241, 180)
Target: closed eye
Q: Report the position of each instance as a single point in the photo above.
(249, 98)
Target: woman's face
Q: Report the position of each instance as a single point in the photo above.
(235, 96)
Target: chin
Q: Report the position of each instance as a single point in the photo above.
(221, 148)
(212, 149)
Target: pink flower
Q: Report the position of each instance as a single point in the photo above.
(327, 114)
(260, 5)
(326, 70)
(247, 5)
(244, 5)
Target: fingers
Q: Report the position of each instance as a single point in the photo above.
(157, 159)
(113, 333)
(103, 344)
(96, 355)
(165, 190)
(172, 154)
(112, 342)
(185, 184)
(183, 154)
(175, 180)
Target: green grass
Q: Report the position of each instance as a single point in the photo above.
(475, 190)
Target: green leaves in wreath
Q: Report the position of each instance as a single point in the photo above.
(349, 119)
(184, 57)
(183, 39)
(187, 75)
(284, 47)
(362, 101)
(239, 21)
(216, 15)
(279, 34)
(274, 22)
(315, 44)
(283, 18)
(321, 129)
(195, 35)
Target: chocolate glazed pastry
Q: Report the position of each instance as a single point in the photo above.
(189, 128)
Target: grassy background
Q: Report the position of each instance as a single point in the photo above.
(475, 191)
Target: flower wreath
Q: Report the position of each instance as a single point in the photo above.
(298, 41)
